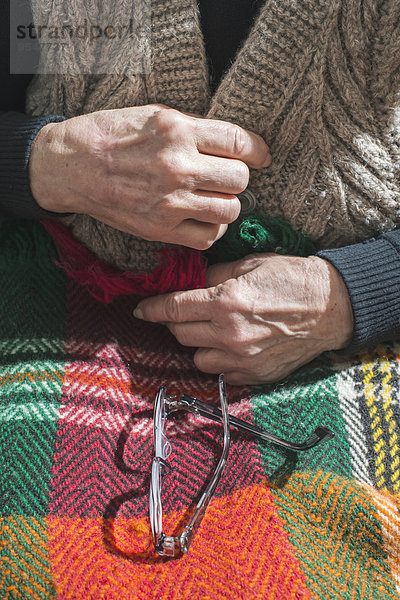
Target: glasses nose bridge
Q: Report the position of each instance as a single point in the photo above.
(170, 404)
(183, 402)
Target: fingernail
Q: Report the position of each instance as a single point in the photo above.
(138, 313)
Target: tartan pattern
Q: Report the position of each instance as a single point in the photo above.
(78, 379)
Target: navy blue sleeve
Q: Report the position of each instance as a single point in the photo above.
(371, 272)
(17, 132)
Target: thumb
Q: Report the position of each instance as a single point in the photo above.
(221, 272)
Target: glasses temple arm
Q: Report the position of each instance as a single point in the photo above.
(321, 434)
(191, 528)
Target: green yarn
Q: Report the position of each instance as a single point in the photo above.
(261, 233)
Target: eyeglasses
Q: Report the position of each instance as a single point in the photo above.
(164, 406)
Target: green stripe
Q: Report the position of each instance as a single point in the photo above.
(32, 341)
(339, 522)
(26, 454)
(24, 562)
(293, 410)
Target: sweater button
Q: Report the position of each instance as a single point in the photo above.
(248, 201)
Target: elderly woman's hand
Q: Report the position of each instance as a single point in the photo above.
(151, 171)
(260, 318)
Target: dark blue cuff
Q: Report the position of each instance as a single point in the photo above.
(17, 133)
(371, 272)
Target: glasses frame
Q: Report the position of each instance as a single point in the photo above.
(165, 405)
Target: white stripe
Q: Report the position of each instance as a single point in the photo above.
(16, 345)
(41, 411)
(32, 367)
(348, 398)
(111, 421)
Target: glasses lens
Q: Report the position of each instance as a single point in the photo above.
(162, 450)
(155, 506)
(162, 447)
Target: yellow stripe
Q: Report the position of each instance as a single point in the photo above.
(376, 425)
(389, 418)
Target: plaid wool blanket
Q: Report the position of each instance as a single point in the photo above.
(78, 382)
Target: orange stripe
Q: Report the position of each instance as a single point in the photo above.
(388, 507)
(241, 544)
(51, 376)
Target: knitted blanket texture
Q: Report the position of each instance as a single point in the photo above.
(78, 381)
(319, 81)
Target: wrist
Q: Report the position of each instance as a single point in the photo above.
(338, 315)
(334, 325)
(42, 170)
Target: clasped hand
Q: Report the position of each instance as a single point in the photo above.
(152, 171)
(167, 176)
(260, 318)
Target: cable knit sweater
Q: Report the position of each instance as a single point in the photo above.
(318, 80)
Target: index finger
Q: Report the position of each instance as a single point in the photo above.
(177, 307)
(221, 138)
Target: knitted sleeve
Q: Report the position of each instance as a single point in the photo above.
(371, 272)
(17, 133)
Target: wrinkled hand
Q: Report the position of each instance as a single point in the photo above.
(151, 171)
(261, 317)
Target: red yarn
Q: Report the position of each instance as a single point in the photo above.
(178, 269)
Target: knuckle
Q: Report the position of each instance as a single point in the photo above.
(242, 175)
(182, 336)
(242, 344)
(155, 107)
(222, 301)
(171, 125)
(171, 308)
(225, 294)
(238, 340)
(165, 121)
(249, 350)
(226, 211)
(173, 168)
(204, 244)
(200, 360)
(208, 238)
(237, 140)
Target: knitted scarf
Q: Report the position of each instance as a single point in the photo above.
(318, 80)
(78, 382)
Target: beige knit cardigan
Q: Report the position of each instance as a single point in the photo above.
(319, 80)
